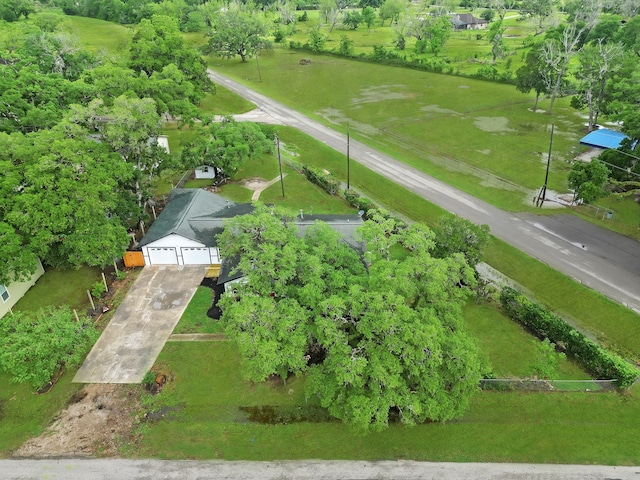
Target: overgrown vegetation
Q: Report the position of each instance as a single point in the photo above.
(544, 324)
(34, 347)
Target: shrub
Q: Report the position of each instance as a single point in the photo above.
(279, 35)
(321, 179)
(33, 347)
(97, 289)
(599, 362)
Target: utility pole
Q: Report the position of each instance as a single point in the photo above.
(348, 161)
(280, 164)
(543, 192)
(258, 64)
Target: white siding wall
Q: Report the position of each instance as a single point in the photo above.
(178, 250)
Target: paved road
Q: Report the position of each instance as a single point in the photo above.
(600, 259)
(119, 469)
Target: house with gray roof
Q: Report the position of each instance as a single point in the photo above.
(185, 231)
(466, 21)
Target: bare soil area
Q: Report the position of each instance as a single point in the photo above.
(97, 422)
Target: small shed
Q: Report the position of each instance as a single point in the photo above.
(205, 171)
(603, 139)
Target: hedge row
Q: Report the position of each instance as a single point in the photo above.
(314, 175)
(384, 56)
(354, 199)
(599, 362)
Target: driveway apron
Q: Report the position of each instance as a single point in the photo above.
(130, 344)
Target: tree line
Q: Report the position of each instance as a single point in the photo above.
(78, 138)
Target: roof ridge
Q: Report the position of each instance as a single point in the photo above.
(185, 212)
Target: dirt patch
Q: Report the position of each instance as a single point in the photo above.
(254, 183)
(492, 124)
(97, 422)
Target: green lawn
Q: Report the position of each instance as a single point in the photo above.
(60, 287)
(100, 36)
(509, 348)
(198, 183)
(498, 427)
(225, 102)
(24, 415)
(194, 319)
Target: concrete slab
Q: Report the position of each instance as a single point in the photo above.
(141, 325)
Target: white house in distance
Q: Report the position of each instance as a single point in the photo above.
(10, 294)
(466, 21)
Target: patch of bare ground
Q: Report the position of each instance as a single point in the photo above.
(99, 419)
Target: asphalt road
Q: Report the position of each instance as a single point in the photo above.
(118, 469)
(598, 258)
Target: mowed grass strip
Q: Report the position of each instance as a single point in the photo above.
(498, 427)
(100, 36)
(195, 319)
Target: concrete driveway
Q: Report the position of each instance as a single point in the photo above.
(141, 325)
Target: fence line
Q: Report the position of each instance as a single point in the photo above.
(536, 385)
(183, 179)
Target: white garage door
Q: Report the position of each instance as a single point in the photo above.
(195, 256)
(163, 256)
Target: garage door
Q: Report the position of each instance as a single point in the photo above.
(163, 256)
(195, 256)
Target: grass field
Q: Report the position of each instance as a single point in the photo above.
(476, 135)
(100, 36)
(510, 349)
(465, 51)
(499, 427)
(60, 287)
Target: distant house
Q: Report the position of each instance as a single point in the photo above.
(603, 139)
(10, 294)
(466, 21)
(205, 171)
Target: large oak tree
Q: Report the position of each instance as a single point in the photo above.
(378, 334)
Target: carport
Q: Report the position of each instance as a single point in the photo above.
(129, 346)
(603, 139)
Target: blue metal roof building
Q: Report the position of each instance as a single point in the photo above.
(603, 138)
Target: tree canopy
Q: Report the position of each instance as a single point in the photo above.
(225, 145)
(378, 333)
(237, 32)
(33, 347)
(588, 180)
